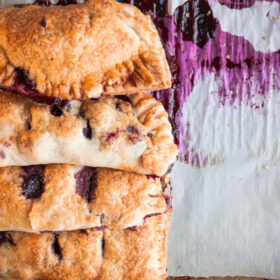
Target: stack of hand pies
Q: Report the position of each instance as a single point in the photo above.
(84, 153)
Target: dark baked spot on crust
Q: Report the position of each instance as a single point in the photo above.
(56, 247)
(124, 98)
(6, 236)
(27, 126)
(43, 22)
(120, 99)
(86, 183)
(33, 181)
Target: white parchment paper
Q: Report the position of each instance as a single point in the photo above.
(226, 218)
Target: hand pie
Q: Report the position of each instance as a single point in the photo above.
(68, 197)
(80, 51)
(130, 133)
(130, 254)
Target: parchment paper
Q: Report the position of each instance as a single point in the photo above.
(226, 218)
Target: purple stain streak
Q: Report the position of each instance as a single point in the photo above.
(196, 21)
(5, 237)
(7, 144)
(240, 4)
(2, 154)
(237, 4)
(33, 181)
(86, 183)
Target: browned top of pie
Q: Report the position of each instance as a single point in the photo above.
(131, 254)
(80, 51)
(68, 197)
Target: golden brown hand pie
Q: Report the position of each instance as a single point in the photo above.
(130, 133)
(68, 197)
(80, 51)
(131, 254)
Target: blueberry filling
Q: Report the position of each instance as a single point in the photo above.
(33, 181)
(151, 135)
(100, 228)
(152, 215)
(65, 104)
(86, 183)
(56, 247)
(84, 231)
(43, 22)
(103, 246)
(24, 86)
(2, 154)
(132, 228)
(111, 136)
(132, 129)
(56, 111)
(6, 237)
(87, 131)
(151, 177)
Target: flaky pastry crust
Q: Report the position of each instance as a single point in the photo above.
(130, 254)
(80, 51)
(67, 197)
(129, 133)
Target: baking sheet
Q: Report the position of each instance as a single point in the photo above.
(226, 185)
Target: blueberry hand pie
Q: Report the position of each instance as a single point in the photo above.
(131, 254)
(80, 51)
(127, 132)
(67, 197)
